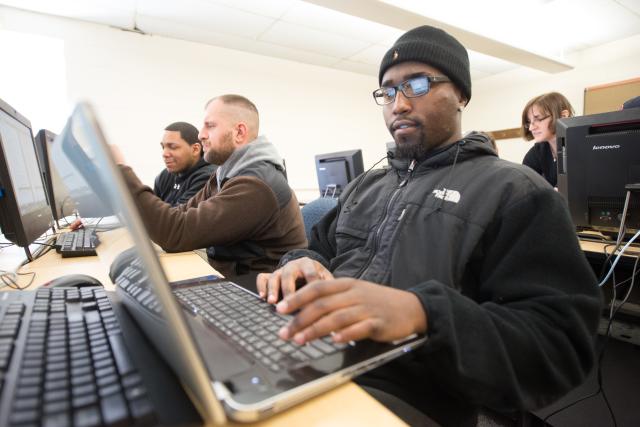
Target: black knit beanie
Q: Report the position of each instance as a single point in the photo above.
(434, 47)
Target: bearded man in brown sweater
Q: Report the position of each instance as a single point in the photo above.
(246, 215)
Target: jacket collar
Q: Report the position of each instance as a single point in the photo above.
(471, 146)
(181, 176)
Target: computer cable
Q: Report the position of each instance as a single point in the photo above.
(613, 310)
(607, 260)
(9, 279)
(628, 279)
(615, 262)
(42, 250)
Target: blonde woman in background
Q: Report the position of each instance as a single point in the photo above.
(539, 124)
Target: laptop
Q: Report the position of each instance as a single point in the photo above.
(203, 327)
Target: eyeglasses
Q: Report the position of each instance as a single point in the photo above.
(411, 88)
(536, 120)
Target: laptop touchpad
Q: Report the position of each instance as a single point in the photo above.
(221, 358)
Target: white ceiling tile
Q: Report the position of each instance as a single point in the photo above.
(117, 13)
(371, 55)
(477, 75)
(391, 39)
(271, 8)
(488, 64)
(593, 22)
(206, 15)
(264, 48)
(203, 35)
(358, 67)
(323, 19)
(307, 39)
(632, 5)
(304, 32)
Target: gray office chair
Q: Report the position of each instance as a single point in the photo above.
(313, 211)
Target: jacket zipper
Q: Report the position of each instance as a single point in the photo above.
(376, 241)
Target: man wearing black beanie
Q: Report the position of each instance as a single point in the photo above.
(477, 253)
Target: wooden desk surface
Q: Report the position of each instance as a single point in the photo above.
(347, 405)
(591, 246)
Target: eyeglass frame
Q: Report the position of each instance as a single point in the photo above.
(535, 120)
(401, 86)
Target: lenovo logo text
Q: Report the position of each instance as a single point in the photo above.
(606, 147)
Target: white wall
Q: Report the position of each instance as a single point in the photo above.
(139, 84)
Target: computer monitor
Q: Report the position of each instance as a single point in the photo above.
(598, 155)
(24, 212)
(58, 197)
(336, 170)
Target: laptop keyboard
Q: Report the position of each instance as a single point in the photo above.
(252, 324)
(249, 322)
(76, 243)
(74, 367)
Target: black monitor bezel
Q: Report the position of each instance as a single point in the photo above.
(19, 229)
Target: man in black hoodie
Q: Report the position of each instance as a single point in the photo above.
(475, 252)
(186, 171)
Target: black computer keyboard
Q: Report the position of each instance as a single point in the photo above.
(81, 242)
(74, 368)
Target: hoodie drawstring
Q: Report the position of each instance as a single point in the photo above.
(445, 190)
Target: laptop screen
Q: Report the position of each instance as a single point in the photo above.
(82, 152)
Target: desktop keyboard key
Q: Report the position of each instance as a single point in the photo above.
(23, 417)
(142, 411)
(131, 380)
(81, 390)
(87, 417)
(59, 395)
(5, 357)
(31, 372)
(109, 390)
(124, 364)
(82, 379)
(56, 407)
(105, 381)
(61, 419)
(135, 392)
(114, 410)
(84, 400)
(24, 392)
(30, 404)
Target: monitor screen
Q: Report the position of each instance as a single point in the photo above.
(336, 170)
(598, 155)
(24, 212)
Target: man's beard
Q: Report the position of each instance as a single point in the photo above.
(412, 148)
(220, 155)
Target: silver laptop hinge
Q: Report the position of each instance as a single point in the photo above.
(221, 391)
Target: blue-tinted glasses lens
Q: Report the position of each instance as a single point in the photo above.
(416, 86)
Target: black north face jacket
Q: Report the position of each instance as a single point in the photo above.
(489, 249)
(177, 188)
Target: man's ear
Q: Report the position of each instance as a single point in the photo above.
(462, 101)
(241, 133)
(196, 148)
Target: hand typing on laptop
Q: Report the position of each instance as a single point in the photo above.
(350, 309)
